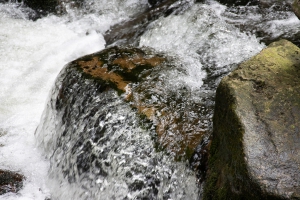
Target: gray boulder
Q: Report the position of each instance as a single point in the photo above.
(255, 152)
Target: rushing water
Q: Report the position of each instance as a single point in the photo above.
(209, 39)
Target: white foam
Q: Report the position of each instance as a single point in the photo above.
(200, 37)
(31, 55)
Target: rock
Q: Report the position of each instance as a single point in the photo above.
(255, 152)
(279, 4)
(127, 71)
(139, 76)
(296, 8)
(154, 2)
(51, 6)
(238, 2)
(118, 113)
(129, 32)
(10, 181)
(43, 7)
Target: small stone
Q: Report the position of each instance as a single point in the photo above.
(10, 181)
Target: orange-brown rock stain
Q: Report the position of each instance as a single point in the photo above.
(128, 63)
(122, 68)
(95, 68)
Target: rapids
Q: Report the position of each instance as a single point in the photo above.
(209, 39)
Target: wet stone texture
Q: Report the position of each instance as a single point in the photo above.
(115, 123)
(10, 181)
(128, 32)
(255, 152)
(180, 122)
(296, 8)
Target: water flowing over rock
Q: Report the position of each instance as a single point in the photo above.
(10, 181)
(129, 31)
(255, 150)
(123, 145)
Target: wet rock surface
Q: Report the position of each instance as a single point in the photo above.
(129, 32)
(296, 8)
(180, 122)
(10, 181)
(255, 146)
(43, 8)
(265, 11)
(114, 123)
(262, 3)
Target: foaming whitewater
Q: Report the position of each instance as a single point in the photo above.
(31, 54)
(206, 38)
(201, 38)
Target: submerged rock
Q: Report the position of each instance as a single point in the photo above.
(10, 181)
(115, 122)
(180, 122)
(255, 152)
(129, 31)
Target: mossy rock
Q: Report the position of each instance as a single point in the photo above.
(10, 181)
(255, 152)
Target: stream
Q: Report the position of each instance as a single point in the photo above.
(209, 40)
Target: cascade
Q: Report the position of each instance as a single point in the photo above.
(207, 39)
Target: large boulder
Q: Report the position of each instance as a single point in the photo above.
(140, 77)
(255, 152)
(115, 116)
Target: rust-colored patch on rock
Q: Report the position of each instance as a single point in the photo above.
(96, 69)
(181, 136)
(121, 67)
(128, 63)
(179, 125)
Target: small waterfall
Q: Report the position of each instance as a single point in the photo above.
(207, 39)
(99, 148)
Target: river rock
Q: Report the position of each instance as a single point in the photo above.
(154, 2)
(296, 8)
(255, 152)
(140, 76)
(279, 4)
(128, 32)
(43, 7)
(115, 116)
(10, 181)
(51, 6)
